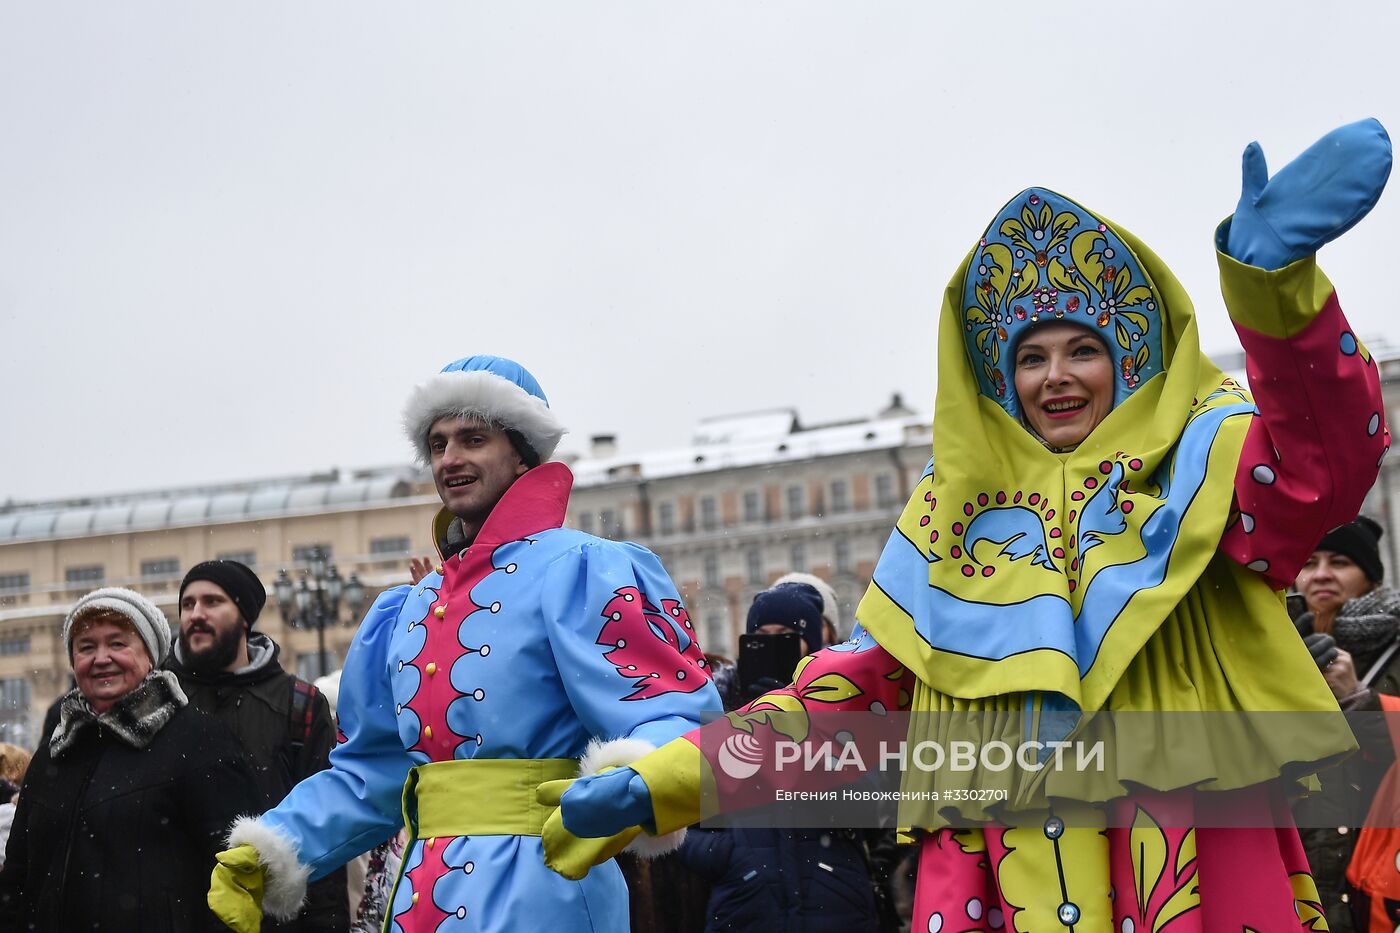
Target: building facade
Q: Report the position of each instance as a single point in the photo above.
(752, 498)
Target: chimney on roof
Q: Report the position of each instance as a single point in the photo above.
(603, 445)
(896, 408)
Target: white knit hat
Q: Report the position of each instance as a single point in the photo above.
(830, 610)
(148, 621)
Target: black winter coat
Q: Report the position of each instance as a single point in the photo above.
(116, 839)
(284, 745)
(1328, 822)
(783, 880)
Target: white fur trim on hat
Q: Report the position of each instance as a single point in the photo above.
(285, 877)
(148, 621)
(830, 608)
(485, 395)
(619, 753)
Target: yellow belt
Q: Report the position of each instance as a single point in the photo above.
(480, 796)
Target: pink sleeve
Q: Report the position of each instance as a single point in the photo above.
(841, 694)
(1314, 447)
(858, 676)
(837, 679)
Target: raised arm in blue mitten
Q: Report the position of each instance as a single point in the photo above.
(1310, 201)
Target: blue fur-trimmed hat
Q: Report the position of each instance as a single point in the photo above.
(492, 388)
(1045, 258)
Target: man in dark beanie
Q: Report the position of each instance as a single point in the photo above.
(231, 672)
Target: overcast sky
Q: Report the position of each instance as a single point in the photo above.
(232, 236)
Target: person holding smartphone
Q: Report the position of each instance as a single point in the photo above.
(1352, 627)
(769, 880)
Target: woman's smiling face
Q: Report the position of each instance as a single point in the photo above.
(1064, 380)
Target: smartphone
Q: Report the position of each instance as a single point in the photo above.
(1296, 605)
(768, 658)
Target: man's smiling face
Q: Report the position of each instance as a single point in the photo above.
(473, 465)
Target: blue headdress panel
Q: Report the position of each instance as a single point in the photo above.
(1045, 258)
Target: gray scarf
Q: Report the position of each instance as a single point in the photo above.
(135, 718)
(1367, 625)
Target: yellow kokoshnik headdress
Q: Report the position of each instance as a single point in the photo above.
(1015, 568)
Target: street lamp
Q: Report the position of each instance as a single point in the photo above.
(314, 602)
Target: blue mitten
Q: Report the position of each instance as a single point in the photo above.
(1310, 201)
(606, 803)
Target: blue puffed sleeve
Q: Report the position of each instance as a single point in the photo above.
(624, 644)
(354, 805)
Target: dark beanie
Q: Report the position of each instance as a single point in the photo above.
(796, 605)
(235, 579)
(1361, 541)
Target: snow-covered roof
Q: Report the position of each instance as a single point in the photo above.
(760, 439)
(720, 443)
(232, 502)
(757, 425)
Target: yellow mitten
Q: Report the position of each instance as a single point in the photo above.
(236, 889)
(570, 855)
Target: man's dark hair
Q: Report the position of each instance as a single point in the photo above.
(522, 447)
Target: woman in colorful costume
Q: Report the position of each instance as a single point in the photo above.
(1129, 565)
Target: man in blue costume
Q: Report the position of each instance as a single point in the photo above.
(532, 653)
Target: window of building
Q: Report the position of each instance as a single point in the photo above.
(247, 558)
(161, 567)
(14, 711)
(843, 556)
(753, 561)
(89, 573)
(796, 501)
(885, 496)
(14, 644)
(13, 581)
(716, 634)
(709, 513)
(585, 522)
(393, 546)
(798, 558)
(301, 554)
(666, 518)
(610, 525)
(712, 570)
(753, 506)
(840, 495)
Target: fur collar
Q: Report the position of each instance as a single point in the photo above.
(135, 718)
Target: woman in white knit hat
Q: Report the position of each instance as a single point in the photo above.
(123, 809)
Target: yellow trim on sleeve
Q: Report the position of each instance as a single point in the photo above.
(1277, 303)
(679, 779)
